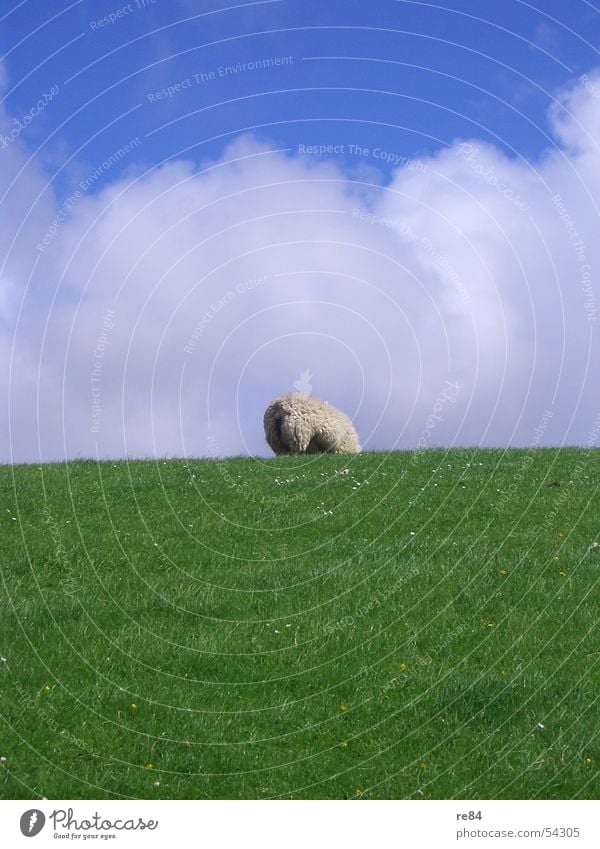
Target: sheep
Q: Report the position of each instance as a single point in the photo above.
(298, 423)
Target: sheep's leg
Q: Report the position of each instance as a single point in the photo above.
(296, 433)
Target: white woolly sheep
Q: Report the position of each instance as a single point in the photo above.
(297, 423)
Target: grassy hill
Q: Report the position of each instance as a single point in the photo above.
(381, 626)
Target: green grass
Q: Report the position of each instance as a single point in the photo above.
(420, 627)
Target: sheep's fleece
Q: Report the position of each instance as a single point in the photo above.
(300, 424)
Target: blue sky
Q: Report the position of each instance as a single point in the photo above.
(436, 71)
(360, 157)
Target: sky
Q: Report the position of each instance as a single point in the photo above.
(392, 205)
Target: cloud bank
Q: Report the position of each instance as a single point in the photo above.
(158, 315)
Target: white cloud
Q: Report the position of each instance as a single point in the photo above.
(225, 282)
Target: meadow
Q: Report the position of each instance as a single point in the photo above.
(387, 625)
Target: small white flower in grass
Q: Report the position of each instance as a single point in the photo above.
(157, 783)
(540, 726)
(411, 533)
(2, 759)
(3, 660)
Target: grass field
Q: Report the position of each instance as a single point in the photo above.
(381, 626)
